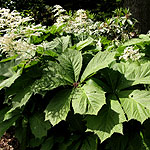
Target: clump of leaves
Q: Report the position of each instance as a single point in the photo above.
(75, 94)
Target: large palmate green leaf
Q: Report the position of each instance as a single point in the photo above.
(38, 126)
(136, 104)
(84, 43)
(132, 74)
(58, 107)
(6, 69)
(71, 62)
(108, 120)
(112, 79)
(88, 99)
(99, 61)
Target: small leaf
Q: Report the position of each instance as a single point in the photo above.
(88, 99)
(38, 126)
(8, 59)
(58, 108)
(84, 43)
(99, 61)
(130, 22)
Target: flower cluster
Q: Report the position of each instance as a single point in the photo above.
(115, 28)
(11, 19)
(130, 53)
(16, 34)
(76, 24)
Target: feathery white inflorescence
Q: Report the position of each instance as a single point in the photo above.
(15, 33)
(130, 53)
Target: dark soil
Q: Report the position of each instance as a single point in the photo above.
(8, 141)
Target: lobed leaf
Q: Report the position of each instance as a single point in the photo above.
(88, 99)
(136, 104)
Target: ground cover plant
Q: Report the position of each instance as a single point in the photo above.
(68, 86)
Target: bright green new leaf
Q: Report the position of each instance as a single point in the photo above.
(38, 126)
(84, 43)
(88, 99)
(71, 62)
(136, 104)
(99, 61)
(58, 107)
(64, 43)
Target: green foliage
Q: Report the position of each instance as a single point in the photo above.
(72, 94)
